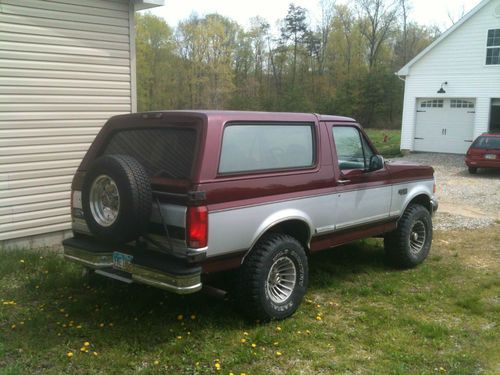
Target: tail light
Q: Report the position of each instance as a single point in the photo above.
(197, 227)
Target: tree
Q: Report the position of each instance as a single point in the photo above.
(294, 29)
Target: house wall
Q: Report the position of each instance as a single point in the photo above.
(459, 59)
(65, 67)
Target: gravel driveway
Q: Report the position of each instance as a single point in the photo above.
(465, 201)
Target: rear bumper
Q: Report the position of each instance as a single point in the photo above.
(482, 163)
(147, 267)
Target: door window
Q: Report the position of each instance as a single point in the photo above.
(353, 152)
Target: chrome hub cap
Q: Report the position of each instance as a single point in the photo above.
(104, 200)
(417, 237)
(281, 280)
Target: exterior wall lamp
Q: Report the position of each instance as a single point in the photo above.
(441, 90)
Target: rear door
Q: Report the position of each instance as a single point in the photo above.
(363, 197)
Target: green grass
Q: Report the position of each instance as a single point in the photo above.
(389, 148)
(359, 316)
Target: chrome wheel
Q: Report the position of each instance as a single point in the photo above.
(281, 280)
(417, 237)
(104, 200)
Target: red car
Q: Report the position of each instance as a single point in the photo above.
(484, 152)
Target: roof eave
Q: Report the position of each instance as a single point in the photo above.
(147, 4)
(405, 70)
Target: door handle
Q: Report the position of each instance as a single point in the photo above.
(343, 182)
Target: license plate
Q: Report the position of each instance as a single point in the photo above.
(490, 156)
(122, 261)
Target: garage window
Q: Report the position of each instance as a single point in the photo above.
(457, 103)
(493, 47)
(435, 103)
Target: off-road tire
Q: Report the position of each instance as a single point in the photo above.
(135, 197)
(254, 299)
(472, 170)
(397, 244)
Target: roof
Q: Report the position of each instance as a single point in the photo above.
(259, 116)
(405, 70)
(146, 4)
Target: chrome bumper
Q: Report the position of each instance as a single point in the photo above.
(435, 205)
(180, 283)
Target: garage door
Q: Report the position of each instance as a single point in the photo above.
(444, 125)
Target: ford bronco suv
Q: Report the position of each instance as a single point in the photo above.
(167, 198)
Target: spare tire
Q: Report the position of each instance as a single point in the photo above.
(117, 198)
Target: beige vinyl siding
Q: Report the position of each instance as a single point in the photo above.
(65, 68)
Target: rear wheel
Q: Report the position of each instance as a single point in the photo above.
(472, 170)
(410, 243)
(273, 278)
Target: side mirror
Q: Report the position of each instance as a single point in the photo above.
(376, 163)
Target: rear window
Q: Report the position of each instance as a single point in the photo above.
(165, 152)
(257, 147)
(487, 143)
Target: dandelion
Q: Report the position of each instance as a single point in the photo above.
(69, 354)
(245, 333)
(243, 341)
(276, 343)
(318, 305)
(179, 337)
(217, 366)
(278, 328)
(254, 345)
(193, 317)
(180, 317)
(9, 302)
(101, 325)
(83, 349)
(279, 354)
(22, 261)
(156, 362)
(95, 354)
(442, 369)
(318, 318)
(13, 326)
(79, 326)
(308, 332)
(86, 343)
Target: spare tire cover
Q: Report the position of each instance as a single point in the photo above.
(117, 198)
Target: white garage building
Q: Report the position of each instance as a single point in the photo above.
(65, 67)
(452, 88)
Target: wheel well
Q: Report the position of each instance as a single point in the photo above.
(295, 228)
(423, 200)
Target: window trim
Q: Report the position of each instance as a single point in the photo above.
(315, 139)
(490, 48)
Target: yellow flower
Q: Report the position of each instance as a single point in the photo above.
(243, 341)
(86, 343)
(254, 345)
(101, 325)
(22, 260)
(278, 328)
(9, 302)
(245, 333)
(61, 310)
(308, 332)
(13, 326)
(276, 343)
(193, 317)
(156, 362)
(318, 305)
(83, 349)
(442, 369)
(231, 372)
(318, 318)
(179, 337)
(279, 353)
(95, 354)
(217, 366)
(78, 326)
(180, 317)
(69, 354)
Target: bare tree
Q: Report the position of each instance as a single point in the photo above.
(377, 18)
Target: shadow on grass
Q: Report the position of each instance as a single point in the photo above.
(60, 304)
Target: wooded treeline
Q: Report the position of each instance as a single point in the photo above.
(344, 65)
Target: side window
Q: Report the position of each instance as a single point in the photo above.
(257, 147)
(353, 152)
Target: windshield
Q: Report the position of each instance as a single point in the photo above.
(487, 143)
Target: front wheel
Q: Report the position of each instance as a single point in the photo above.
(472, 170)
(410, 243)
(274, 278)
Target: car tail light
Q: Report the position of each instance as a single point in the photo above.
(197, 227)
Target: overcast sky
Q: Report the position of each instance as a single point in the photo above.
(427, 12)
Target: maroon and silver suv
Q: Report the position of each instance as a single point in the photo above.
(166, 198)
